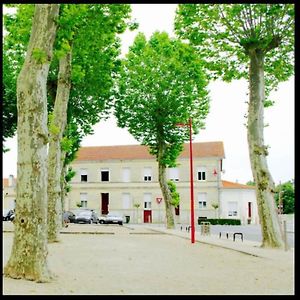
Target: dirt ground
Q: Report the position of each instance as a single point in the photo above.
(140, 261)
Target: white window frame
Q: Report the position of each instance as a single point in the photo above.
(232, 209)
(147, 174)
(202, 200)
(83, 199)
(173, 174)
(83, 172)
(126, 200)
(147, 201)
(105, 170)
(126, 174)
(201, 171)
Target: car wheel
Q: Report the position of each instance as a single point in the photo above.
(101, 222)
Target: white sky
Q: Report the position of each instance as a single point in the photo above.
(225, 119)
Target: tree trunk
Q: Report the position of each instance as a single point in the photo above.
(165, 190)
(270, 226)
(63, 184)
(28, 258)
(55, 165)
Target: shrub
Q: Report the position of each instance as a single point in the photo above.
(220, 221)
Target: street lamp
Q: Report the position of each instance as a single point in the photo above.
(191, 180)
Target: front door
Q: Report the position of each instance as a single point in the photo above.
(249, 210)
(147, 216)
(104, 203)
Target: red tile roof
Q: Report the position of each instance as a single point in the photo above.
(234, 185)
(208, 149)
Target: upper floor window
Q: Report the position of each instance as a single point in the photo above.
(201, 174)
(126, 174)
(104, 175)
(174, 174)
(147, 174)
(83, 175)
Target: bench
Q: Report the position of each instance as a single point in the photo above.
(234, 234)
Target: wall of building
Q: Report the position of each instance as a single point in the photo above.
(137, 187)
(241, 197)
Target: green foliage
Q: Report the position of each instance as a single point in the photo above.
(220, 221)
(39, 55)
(68, 177)
(90, 31)
(251, 183)
(225, 35)
(174, 194)
(161, 83)
(287, 195)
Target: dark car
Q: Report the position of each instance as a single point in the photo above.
(69, 217)
(8, 215)
(86, 216)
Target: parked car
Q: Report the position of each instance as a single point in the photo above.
(69, 217)
(8, 215)
(86, 216)
(111, 218)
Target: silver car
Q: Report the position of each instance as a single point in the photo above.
(111, 218)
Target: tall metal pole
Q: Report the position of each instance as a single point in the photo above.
(192, 186)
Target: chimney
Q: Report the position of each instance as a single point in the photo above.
(11, 181)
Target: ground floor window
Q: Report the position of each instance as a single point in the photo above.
(232, 209)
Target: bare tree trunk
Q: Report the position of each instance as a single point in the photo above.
(28, 258)
(63, 184)
(271, 230)
(55, 166)
(165, 191)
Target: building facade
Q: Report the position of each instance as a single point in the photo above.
(124, 179)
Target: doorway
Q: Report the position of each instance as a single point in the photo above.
(104, 203)
(147, 216)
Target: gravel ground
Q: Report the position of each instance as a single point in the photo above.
(128, 260)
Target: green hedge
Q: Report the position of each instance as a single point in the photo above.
(220, 221)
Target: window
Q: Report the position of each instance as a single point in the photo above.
(83, 175)
(174, 174)
(126, 201)
(126, 174)
(232, 209)
(147, 201)
(83, 199)
(104, 175)
(147, 174)
(202, 199)
(201, 174)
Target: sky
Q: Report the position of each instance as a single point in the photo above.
(225, 121)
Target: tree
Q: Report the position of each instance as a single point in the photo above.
(256, 42)
(286, 193)
(215, 206)
(79, 83)
(161, 84)
(28, 258)
(250, 183)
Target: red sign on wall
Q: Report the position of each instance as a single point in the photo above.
(158, 200)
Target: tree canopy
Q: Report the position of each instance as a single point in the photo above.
(161, 84)
(224, 34)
